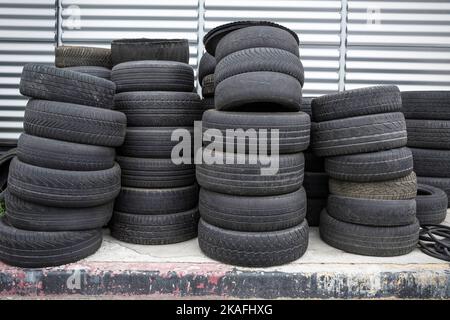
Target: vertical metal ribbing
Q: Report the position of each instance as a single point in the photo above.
(343, 45)
(58, 23)
(200, 34)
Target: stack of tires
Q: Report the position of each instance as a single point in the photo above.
(371, 209)
(206, 69)
(250, 218)
(158, 200)
(63, 182)
(427, 116)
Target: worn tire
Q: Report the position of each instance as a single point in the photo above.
(313, 210)
(431, 162)
(428, 134)
(431, 205)
(431, 105)
(5, 160)
(55, 84)
(63, 188)
(358, 102)
(246, 179)
(305, 106)
(74, 123)
(75, 56)
(255, 214)
(206, 66)
(155, 173)
(370, 167)
(159, 109)
(260, 91)
(208, 103)
(369, 240)
(100, 72)
(316, 184)
(440, 183)
(208, 86)
(395, 189)
(253, 249)
(361, 134)
(149, 75)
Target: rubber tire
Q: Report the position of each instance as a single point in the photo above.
(293, 127)
(357, 102)
(155, 173)
(123, 50)
(63, 188)
(313, 209)
(100, 72)
(259, 59)
(150, 142)
(5, 160)
(305, 106)
(34, 249)
(256, 37)
(260, 91)
(208, 86)
(255, 214)
(159, 109)
(208, 103)
(431, 205)
(431, 162)
(372, 212)
(157, 201)
(56, 84)
(149, 75)
(428, 134)
(368, 240)
(74, 56)
(206, 66)
(56, 154)
(316, 184)
(26, 215)
(74, 123)
(247, 180)
(431, 105)
(371, 167)
(253, 249)
(361, 134)
(155, 229)
(395, 189)
(440, 183)
(313, 163)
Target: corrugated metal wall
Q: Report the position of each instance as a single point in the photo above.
(344, 44)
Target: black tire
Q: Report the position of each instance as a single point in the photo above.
(440, 183)
(305, 106)
(208, 86)
(255, 214)
(431, 205)
(57, 154)
(313, 163)
(293, 128)
(313, 210)
(432, 105)
(74, 56)
(150, 142)
(206, 66)
(155, 173)
(34, 249)
(63, 188)
(358, 102)
(55, 84)
(259, 59)
(260, 91)
(208, 103)
(395, 189)
(256, 37)
(153, 76)
(428, 134)
(372, 212)
(361, 134)
(155, 229)
(5, 160)
(74, 123)
(431, 162)
(246, 179)
(370, 167)
(124, 50)
(100, 72)
(316, 184)
(26, 215)
(157, 201)
(157, 108)
(253, 249)
(369, 240)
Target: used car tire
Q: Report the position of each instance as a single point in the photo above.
(100, 72)
(428, 134)
(206, 66)
(75, 56)
(208, 103)
(431, 162)
(431, 105)
(431, 205)
(208, 86)
(440, 183)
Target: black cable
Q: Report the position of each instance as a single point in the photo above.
(434, 240)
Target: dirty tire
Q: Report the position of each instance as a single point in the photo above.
(313, 210)
(5, 160)
(440, 183)
(55, 84)
(305, 106)
(428, 134)
(246, 179)
(100, 72)
(34, 249)
(426, 105)
(370, 167)
(361, 134)
(153, 76)
(159, 109)
(208, 103)
(431, 162)
(63, 188)
(369, 240)
(208, 86)
(260, 91)
(256, 214)
(74, 123)
(206, 66)
(155, 173)
(313, 163)
(57, 154)
(358, 102)
(293, 128)
(75, 56)
(431, 205)
(395, 189)
(316, 184)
